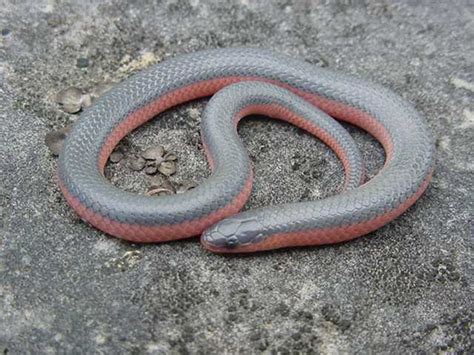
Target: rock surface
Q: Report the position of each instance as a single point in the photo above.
(65, 287)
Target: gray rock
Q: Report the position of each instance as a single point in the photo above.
(73, 99)
(82, 62)
(137, 163)
(167, 168)
(66, 287)
(54, 140)
(115, 157)
(154, 153)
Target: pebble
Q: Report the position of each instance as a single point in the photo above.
(156, 181)
(194, 113)
(137, 163)
(6, 31)
(54, 140)
(185, 187)
(115, 157)
(82, 62)
(159, 191)
(154, 153)
(163, 188)
(167, 168)
(168, 185)
(150, 170)
(155, 159)
(170, 157)
(73, 99)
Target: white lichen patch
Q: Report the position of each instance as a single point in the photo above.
(444, 143)
(105, 246)
(468, 119)
(145, 60)
(126, 261)
(19, 319)
(462, 84)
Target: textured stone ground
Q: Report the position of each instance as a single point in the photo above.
(66, 287)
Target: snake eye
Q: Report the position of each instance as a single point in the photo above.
(232, 241)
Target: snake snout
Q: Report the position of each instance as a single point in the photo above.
(232, 233)
(215, 239)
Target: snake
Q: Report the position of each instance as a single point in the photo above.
(243, 82)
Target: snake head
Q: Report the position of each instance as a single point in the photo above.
(232, 233)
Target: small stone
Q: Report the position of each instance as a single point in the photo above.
(159, 191)
(115, 157)
(194, 113)
(6, 31)
(156, 181)
(82, 62)
(137, 163)
(71, 99)
(54, 20)
(185, 187)
(170, 157)
(154, 153)
(150, 170)
(54, 140)
(86, 100)
(167, 168)
(165, 188)
(167, 184)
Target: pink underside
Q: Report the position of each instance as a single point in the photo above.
(325, 236)
(139, 233)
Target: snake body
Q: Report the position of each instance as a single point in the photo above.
(247, 81)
